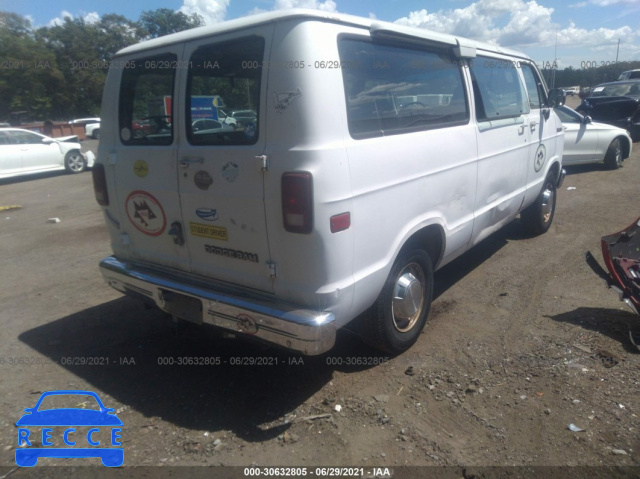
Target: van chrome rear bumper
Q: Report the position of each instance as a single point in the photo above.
(241, 311)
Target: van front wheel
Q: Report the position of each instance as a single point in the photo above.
(537, 217)
(400, 312)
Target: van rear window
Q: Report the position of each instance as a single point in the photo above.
(146, 98)
(391, 89)
(223, 93)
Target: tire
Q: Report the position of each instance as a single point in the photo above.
(74, 162)
(537, 218)
(96, 134)
(613, 158)
(394, 325)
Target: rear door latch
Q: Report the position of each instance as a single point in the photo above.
(176, 232)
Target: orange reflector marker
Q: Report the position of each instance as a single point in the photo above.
(340, 222)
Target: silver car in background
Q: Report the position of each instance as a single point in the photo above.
(586, 141)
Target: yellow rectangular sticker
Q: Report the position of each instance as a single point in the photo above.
(208, 231)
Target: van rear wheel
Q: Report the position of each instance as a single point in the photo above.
(398, 316)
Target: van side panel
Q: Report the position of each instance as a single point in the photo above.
(305, 129)
(417, 174)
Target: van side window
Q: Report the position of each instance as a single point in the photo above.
(391, 89)
(146, 95)
(537, 97)
(497, 89)
(223, 93)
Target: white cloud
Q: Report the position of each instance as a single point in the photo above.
(92, 18)
(89, 18)
(213, 11)
(514, 23)
(256, 10)
(530, 26)
(606, 3)
(57, 21)
(326, 6)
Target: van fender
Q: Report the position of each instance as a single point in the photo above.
(427, 233)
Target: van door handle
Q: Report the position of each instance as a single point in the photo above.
(533, 125)
(187, 161)
(521, 130)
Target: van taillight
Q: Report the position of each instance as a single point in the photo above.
(100, 184)
(297, 202)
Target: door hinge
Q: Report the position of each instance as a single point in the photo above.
(273, 270)
(263, 162)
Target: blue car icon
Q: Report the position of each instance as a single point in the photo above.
(28, 456)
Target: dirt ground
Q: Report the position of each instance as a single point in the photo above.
(523, 340)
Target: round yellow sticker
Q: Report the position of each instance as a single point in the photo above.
(140, 168)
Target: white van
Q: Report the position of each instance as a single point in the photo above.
(374, 155)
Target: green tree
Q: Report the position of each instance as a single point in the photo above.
(163, 21)
(29, 76)
(83, 52)
(58, 72)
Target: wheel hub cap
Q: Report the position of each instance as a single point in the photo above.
(547, 205)
(407, 301)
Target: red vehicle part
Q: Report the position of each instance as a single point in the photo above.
(621, 254)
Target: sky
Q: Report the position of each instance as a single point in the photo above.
(575, 33)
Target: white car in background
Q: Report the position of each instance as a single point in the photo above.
(572, 90)
(24, 152)
(91, 128)
(586, 141)
(224, 118)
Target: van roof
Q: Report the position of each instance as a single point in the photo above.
(465, 47)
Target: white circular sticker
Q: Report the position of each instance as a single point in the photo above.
(125, 134)
(146, 213)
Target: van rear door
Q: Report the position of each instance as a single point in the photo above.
(145, 155)
(220, 166)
